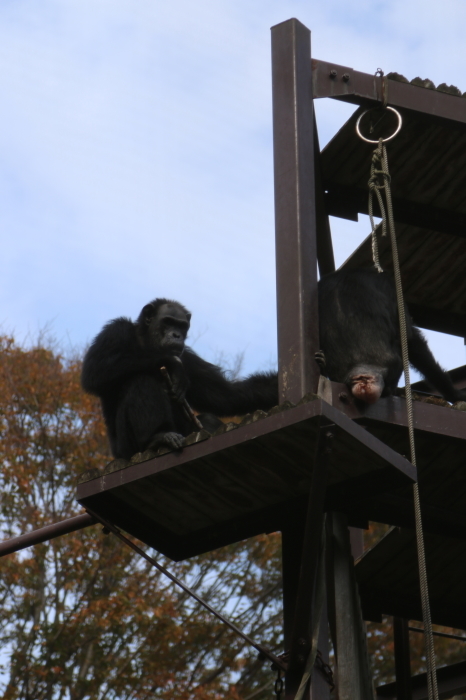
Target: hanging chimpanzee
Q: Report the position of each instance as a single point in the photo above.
(360, 338)
(122, 367)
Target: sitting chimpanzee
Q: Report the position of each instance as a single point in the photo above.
(122, 367)
(360, 338)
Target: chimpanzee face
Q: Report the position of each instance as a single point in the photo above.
(168, 327)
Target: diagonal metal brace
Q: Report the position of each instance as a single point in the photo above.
(259, 647)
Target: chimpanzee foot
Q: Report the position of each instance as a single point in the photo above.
(173, 440)
(319, 357)
(209, 422)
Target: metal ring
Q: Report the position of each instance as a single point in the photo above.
(389, 138)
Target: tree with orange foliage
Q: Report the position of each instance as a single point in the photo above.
(83, 616)
(380, 636)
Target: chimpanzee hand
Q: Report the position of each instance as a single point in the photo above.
(321, 361)
(178, 377)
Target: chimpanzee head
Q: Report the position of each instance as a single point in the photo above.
(164, 325)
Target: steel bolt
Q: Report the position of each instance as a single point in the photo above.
(301, 658)
(302, 641)
(333, 73)
(345, 77)
(343, 396)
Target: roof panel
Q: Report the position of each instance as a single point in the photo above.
(388, 578)
(427, 163)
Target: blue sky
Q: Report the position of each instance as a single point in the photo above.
(136, 155)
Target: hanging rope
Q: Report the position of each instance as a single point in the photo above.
(380, 181)
(374, 186)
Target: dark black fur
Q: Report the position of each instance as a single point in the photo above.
(122, 367)
(359, 326)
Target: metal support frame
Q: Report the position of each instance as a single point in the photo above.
(402, 658)
(451, 682)
(303, 238)
(44, 534)
(298, 217)
(295, 213)
(303, 609)
(354, 677)
(349, 85)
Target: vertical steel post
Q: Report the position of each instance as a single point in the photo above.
(354, 676)
(300, 565)
(402, 659)
(292, 544)
(296, 264)
(295, 210)
(324, 245)
(292, 549)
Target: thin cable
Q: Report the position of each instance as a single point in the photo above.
(381, 156)
(261, 649)
(440, 634)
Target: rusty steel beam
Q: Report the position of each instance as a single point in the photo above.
(392, 410)
(346, 202)
(295, 210)
(344, 83)
(438, 320)
(325, 256)
(353, 672)
(402, 659)
(457, 376)
(44, 534)
(451, 682)
(311, 544)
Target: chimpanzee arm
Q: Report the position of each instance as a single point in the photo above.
(115, 354)
(422, 359)
(146, 418)
(212, 392)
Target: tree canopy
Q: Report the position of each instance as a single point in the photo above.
(83, 617)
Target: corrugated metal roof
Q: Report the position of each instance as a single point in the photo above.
(427, 83)
(388, 577)
(427, 163)
(433, 275)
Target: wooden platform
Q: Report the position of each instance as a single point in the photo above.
(440, 434)
(388, 578)
(244, 482)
